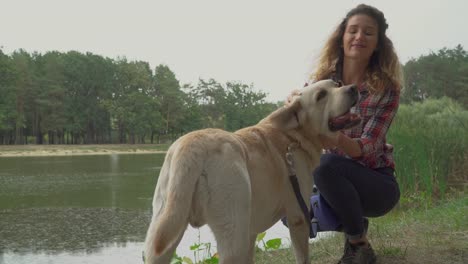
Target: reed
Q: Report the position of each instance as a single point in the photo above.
(430, 140)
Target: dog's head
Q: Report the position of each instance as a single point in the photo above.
(320, 108)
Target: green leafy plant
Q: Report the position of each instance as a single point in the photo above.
(271, 244)
(201, 253)
(181, 260)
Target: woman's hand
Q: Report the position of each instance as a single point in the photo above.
(291, 96)
(330, 142)
(346, 144)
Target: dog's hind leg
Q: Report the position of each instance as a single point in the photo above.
(232, 236)
(229, 214)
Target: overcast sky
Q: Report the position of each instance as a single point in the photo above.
(270, 44)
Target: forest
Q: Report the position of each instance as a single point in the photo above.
(84, 98)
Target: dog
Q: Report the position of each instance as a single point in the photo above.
(237, 183)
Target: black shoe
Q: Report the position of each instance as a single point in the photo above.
(365, 255)
(348, 254)
(358, 254)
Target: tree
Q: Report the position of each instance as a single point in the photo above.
(168, 92)
(444, 73)
(26, 89)
(245, 106)
(7, 99)
(193, 113)
(132, 86)
(48, 114)
(211, 97)
(89, 79)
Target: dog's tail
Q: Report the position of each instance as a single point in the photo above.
(184, 169)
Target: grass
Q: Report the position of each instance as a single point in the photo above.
(426, 235)
(430, 140)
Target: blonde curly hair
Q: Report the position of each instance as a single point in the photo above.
(384, 69)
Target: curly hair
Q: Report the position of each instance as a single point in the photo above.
(384, 69)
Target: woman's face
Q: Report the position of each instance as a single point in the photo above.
(360, 37)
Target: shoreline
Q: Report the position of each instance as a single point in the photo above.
(79, 150)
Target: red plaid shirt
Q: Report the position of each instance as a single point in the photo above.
(377, 112)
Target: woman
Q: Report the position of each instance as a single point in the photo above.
(356, 171)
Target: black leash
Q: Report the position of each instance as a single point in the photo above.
(300, 200)
(297, 189)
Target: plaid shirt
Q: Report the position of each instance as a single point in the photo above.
(377, 112)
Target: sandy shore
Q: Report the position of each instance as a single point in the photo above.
(69, 150)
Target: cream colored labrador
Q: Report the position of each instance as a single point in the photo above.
(238, 184)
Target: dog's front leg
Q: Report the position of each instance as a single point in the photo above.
(298, 227)
(299, 232)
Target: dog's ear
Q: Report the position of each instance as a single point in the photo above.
(287, 117)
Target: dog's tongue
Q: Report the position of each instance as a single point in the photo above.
(343, 120)
(340, 120)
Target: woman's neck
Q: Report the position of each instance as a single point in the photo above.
(353, 71)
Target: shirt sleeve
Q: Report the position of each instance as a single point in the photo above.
(372, 140)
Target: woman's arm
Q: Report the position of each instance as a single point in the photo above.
(375, 130)
(373, 134)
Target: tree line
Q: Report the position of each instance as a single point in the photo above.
(438, 74)
(84, 98)
(76, 98)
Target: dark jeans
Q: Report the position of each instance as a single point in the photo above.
(355, 191)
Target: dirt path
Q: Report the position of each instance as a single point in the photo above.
(66, 150)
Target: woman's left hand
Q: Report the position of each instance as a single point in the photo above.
(348, 145)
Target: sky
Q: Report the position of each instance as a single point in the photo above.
(272, 45)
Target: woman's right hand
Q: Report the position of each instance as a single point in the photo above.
(290, 98)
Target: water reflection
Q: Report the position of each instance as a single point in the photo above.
(112, 253)
(74, 205)
(54, 230)
(78, 181)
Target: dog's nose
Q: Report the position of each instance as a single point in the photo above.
(353, 91)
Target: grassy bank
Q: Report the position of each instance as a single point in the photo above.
(426, 235)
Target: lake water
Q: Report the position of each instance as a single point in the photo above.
(83, 209)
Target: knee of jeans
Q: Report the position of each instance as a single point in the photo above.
(385, 207)
(324, 174)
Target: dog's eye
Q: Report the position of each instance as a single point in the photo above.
(321, 95)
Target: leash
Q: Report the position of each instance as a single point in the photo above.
(295, 185)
